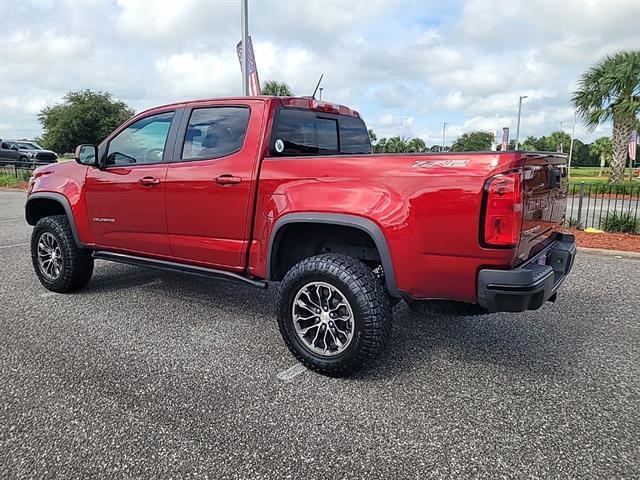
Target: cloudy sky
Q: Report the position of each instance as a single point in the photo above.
(406, 66)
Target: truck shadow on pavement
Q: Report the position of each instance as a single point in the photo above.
(538, 343)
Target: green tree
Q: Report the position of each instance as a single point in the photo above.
(531, 144)
(416, 145)
(82, 117)
(279, 89)
(610, 90)
(581, 156)
(558, 141)
(396, 145)
(473, 142)
(372, 136)
(603, 149)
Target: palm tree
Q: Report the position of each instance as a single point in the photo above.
(279, 89)
(416, 145)
(372, 136)
(603, 148)
(396, 145)
(610, 90)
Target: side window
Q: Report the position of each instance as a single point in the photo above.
(354, 137)
(303, 132)
(142, 142)
(215, 132)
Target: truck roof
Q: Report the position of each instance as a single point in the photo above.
(294, 102)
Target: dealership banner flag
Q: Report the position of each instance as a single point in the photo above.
(633, 145)
(505, 138)
(254, 81)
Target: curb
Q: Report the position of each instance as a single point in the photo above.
(7, 189)
(610, 253)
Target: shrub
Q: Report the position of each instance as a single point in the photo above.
(10, 180)
(573, 223)
(620, 222)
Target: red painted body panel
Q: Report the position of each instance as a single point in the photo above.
(427, 207)
(429, 216)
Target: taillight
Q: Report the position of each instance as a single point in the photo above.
(502, 210)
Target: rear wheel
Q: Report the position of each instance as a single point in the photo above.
(334, 314)
(59, 264)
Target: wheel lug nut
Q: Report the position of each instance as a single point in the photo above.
(317, 310)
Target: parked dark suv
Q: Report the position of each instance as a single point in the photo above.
(25, 153)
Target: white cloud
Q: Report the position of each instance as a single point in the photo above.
(406, 68)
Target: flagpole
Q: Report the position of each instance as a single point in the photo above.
(244, 17)
(444, 132)
(573, 135)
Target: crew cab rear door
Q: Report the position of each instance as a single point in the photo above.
(212, 181)
(126, 197)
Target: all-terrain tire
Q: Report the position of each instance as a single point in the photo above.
(76, 263)
(426, 308)
(369, 302)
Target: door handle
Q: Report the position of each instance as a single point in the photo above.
(227, 180)
(149, 181)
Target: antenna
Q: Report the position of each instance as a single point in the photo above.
(318, 85)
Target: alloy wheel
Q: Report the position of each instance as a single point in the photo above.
(323, 319)
(49, 256)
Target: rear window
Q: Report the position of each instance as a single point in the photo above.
(303, 132)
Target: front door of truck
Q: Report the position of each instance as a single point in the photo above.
(126, 197)
(211, 183)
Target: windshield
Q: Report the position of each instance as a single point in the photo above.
(29, 146)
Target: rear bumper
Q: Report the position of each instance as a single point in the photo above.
(531, 284)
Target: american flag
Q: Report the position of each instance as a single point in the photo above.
(254, 81)
(505, 138)
(633, 144)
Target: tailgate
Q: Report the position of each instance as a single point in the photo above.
(545, 185)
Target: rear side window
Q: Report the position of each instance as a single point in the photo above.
(215, 132)
(299, 132)
(354, 137)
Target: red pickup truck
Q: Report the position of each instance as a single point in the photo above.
(258, 189)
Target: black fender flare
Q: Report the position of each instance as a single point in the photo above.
(58, 198)
(361, 223)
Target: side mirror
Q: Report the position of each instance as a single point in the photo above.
(87, 155)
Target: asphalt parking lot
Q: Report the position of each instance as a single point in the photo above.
(148, 374)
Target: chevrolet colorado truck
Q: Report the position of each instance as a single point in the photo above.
(286, 189)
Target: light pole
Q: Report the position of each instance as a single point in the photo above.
(444, 132)
(244, 24)
(519, 114)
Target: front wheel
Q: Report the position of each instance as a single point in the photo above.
(59, 264)
(334, 314)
